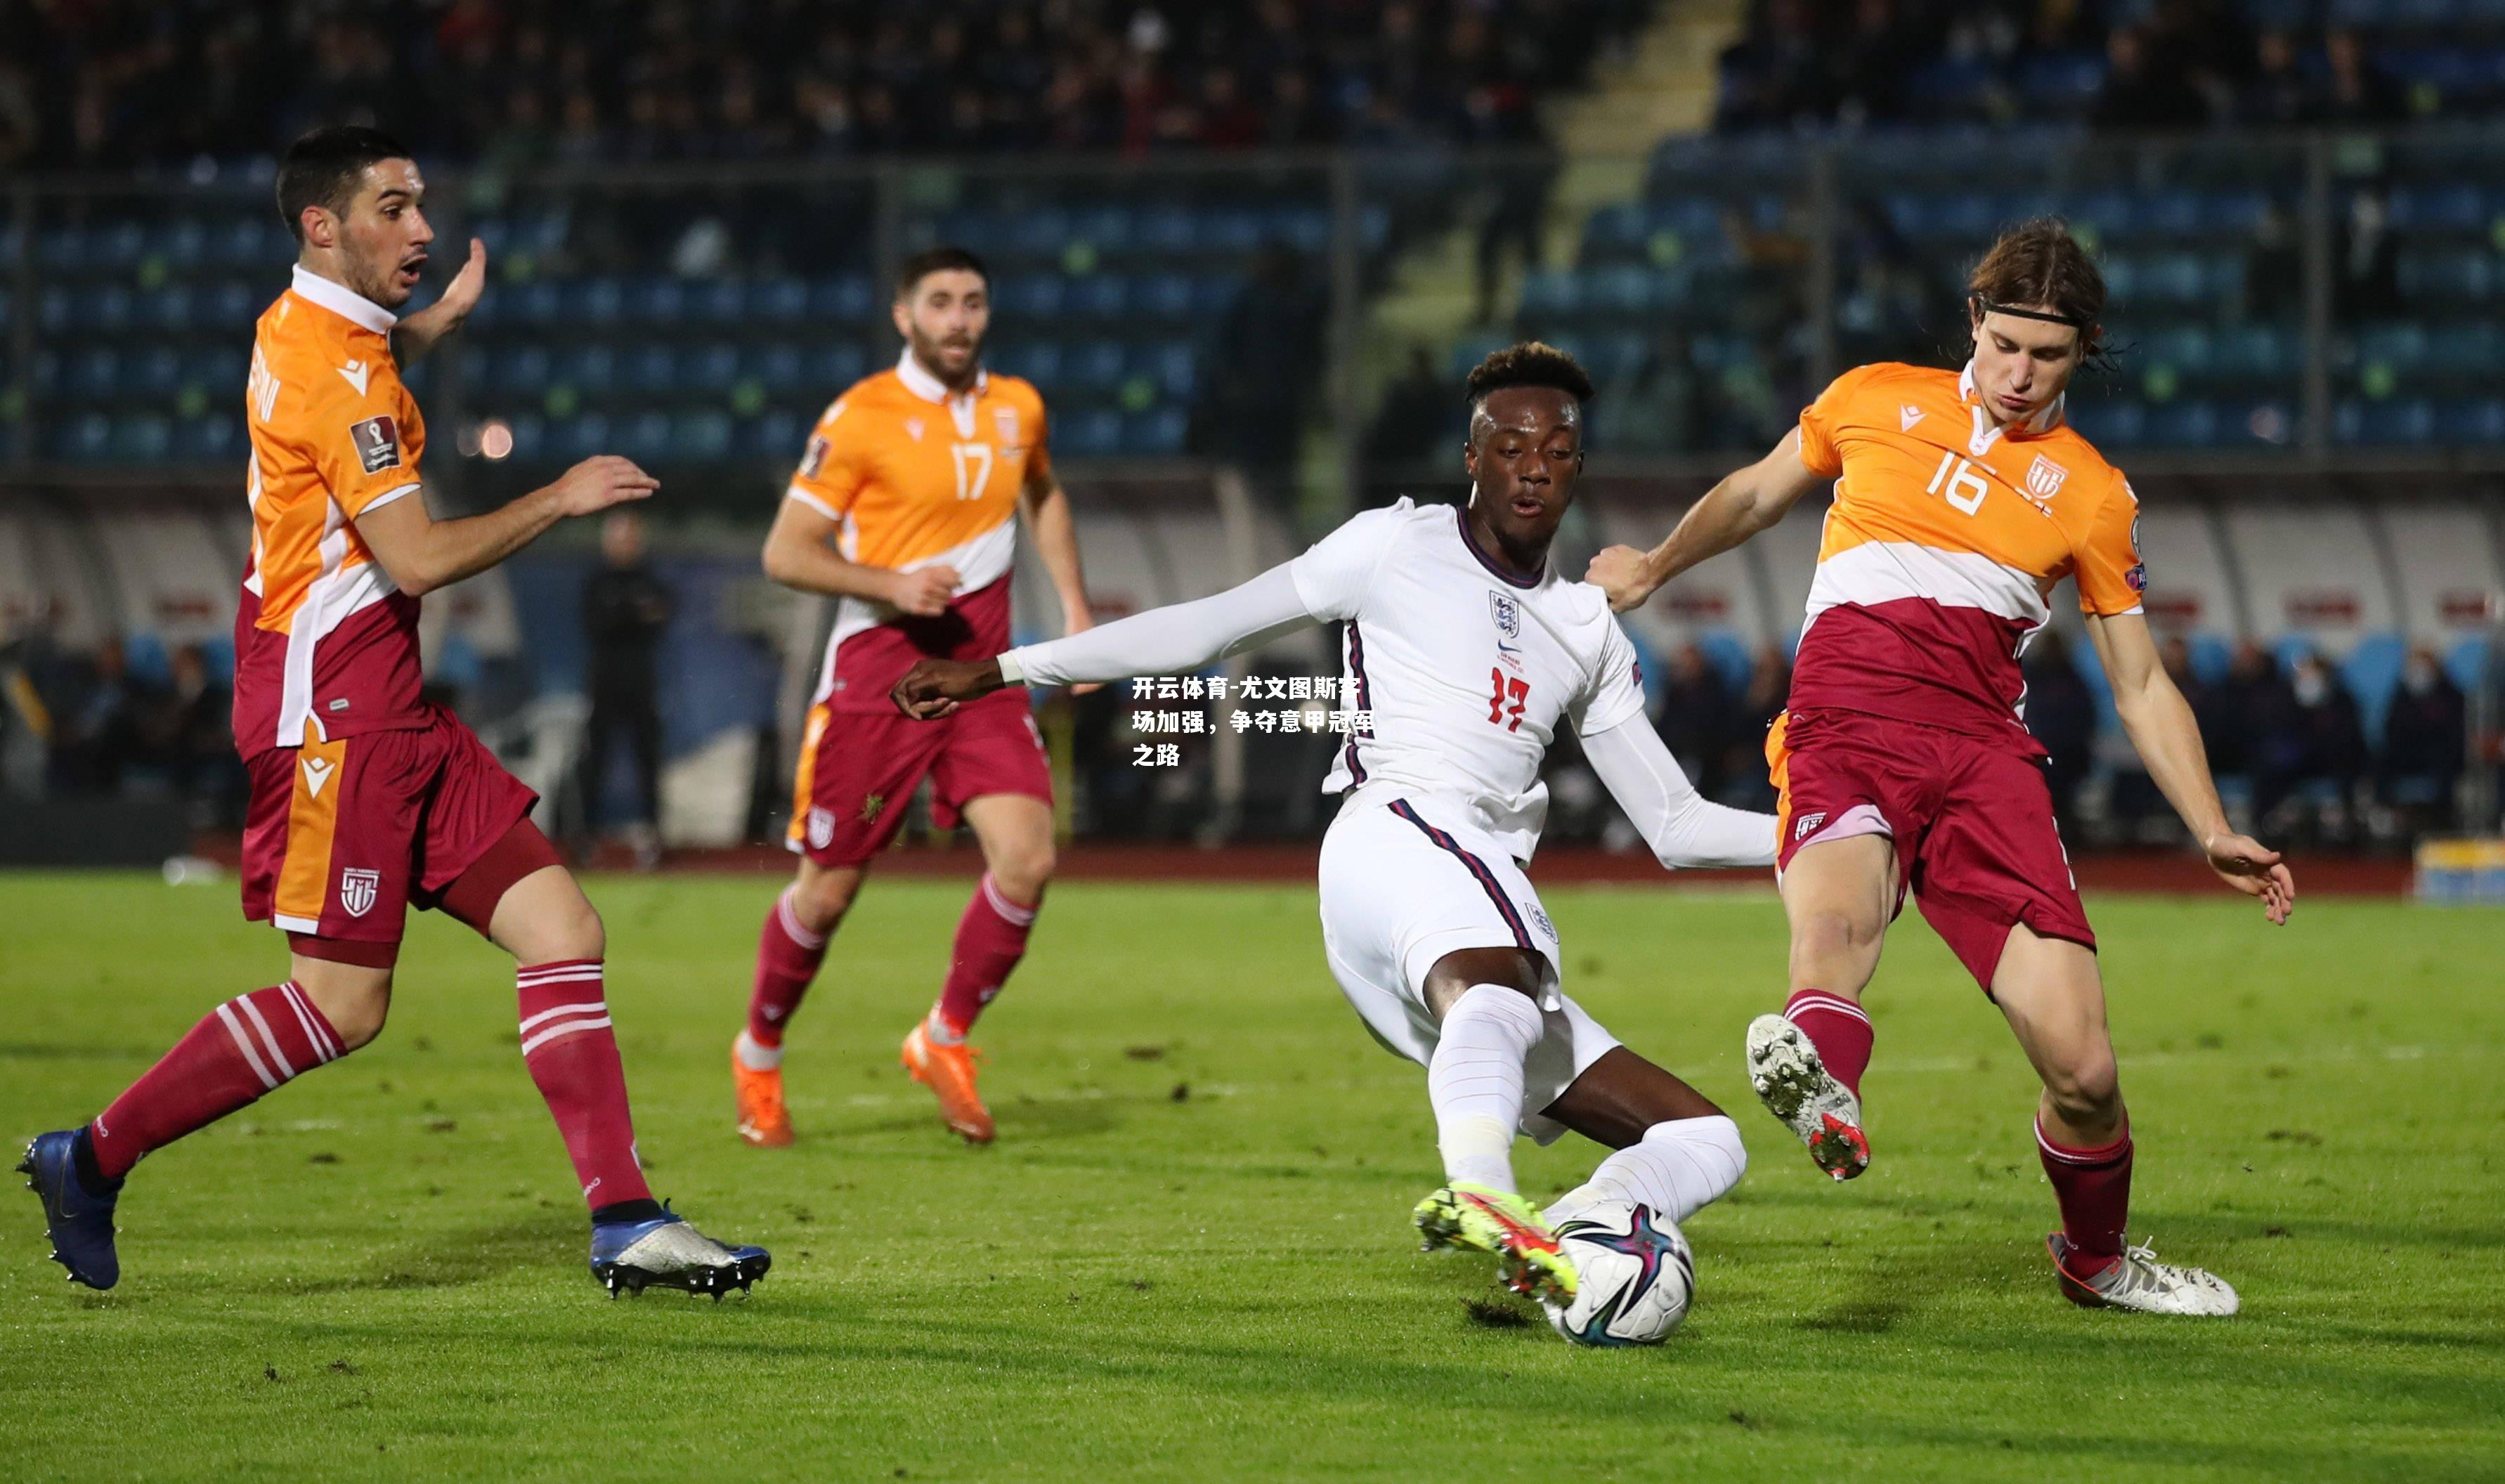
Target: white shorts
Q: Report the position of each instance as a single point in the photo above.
(1405, 884)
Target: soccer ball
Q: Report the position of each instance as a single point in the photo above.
(1635, 1276)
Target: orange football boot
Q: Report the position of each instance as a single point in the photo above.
(948, 1069)
(764, 1120)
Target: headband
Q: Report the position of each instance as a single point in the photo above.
(1988, 307)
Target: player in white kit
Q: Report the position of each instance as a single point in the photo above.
(1469, 652)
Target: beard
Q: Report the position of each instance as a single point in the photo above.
(934, 354)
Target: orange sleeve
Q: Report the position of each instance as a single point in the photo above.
(362, 442)
(1038, 458)
(832, 469)
(1822, 419)
(2111, 576)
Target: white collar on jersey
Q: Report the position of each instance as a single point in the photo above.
(344, 302)
(930, 388)
(2044, 421)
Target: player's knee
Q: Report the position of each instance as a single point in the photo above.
(2087, 1089)
(356, 1013)
(1023, 871)
(580, 934)
(1830, 933)
(822, 897)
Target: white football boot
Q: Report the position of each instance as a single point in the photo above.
(2142, 1283)
(1797, 1088)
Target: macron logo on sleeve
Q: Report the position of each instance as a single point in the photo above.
(357, 374)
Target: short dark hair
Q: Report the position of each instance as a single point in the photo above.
(937, 260)
(1531, 363)
(326, 166)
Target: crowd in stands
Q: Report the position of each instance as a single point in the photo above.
(2125, 65)
(116, 83)
(122, 717)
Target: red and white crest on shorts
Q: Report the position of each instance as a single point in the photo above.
(2044, 478)
(358, 890)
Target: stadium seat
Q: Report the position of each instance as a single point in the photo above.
(2372, 672)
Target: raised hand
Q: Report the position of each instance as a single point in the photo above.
(925, 591)
(1619, 572)
(599, 482)
(2256, 870)
(461, 294)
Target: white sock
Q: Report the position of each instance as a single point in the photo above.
(1678, 1169)
(1476, 1081)
(755, 1057)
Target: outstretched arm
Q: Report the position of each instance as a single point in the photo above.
(1744, 503)
(2161, 726)
(1159, 642)
(423, 554)
(1683, 827)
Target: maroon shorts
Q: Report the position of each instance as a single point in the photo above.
(342, 837)
(1972, 824)
(858, 770)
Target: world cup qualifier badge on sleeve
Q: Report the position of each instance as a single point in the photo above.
(377, 443)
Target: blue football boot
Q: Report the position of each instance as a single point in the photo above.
(81, 1221)
(665, 1252)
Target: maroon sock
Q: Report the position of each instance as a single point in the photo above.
(2094, 1189)
(251, 1045)
(1840, 1029)
(991, 939)
(573, 1057)
(788, 956)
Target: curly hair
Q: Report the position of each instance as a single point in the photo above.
(1530, 363)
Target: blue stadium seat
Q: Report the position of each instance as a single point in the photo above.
(217, 653)
(2469, 277)
(710, 368)
(1109, 228)
(775, 368)
(1092, 433)
(699, 436)
(2472, 420)
(2118, 422)
(1033, 297)
(530, 436)
(1729, 655)
(237, 302)
(2455, 208)
(654, 300)
(144, 657)
(2403, 347)
(777, 438)
(2372, 672)
(1230, 229)
(214, 439)
(2192, 424)
(519, 371)
(653, 369)
(95, 374)
(1552, 293)
(1163, 296)
(584, 436)
(589, 368)
(837, 364)
(1156, 434)
(155, 372)
(1036, 361)
(142, 438)
(86, 439)
(1171, 364)
(1168, 232)
(2383, 424)
(837, 302)
(1100, 297)
(1094, 365)
(778, 301)
(2466, 662)
(594, 303)
(719, 304)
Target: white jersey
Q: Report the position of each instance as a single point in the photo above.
(1468, 668)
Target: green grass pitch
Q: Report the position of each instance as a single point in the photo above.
(1188, 1256)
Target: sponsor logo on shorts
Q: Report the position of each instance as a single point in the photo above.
(377, 443)
(358, 890)
(870, 806)
(821, 828)
(1508, 614)
(1539, 920)
(1807, 824)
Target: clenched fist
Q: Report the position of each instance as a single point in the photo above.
(934, 688)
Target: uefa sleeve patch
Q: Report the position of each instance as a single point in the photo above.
(814, 457)
(377, 443)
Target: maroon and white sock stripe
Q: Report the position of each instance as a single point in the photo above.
(1819, 999)
(2083, 1159)
(261, 1046)
(1010, 912)
(576, 982)
(791, 922)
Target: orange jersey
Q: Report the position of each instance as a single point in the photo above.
(1940, 554)
(917, 477)
(324, 639)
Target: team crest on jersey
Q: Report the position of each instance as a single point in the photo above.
(2044, 478)
(1539, 920)
(377, 443)
(1807, 825)
(814, 457)
(1006, 420)
(1508, 614)
(821, 828)
(358, 890)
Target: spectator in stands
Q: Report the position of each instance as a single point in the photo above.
(96, 732)
(2357, 92)
(2145, 93)
(2257, 734)
(1776, 75)
(625, 607)
(2278, 95)
(1266, 346)
(2366, 273)
(2063, 715)
(2425, 744)
(1664, 405)
(1770, 685)
(1415, 421)
(1698, 717)
(2330, 755)
(186, 733)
